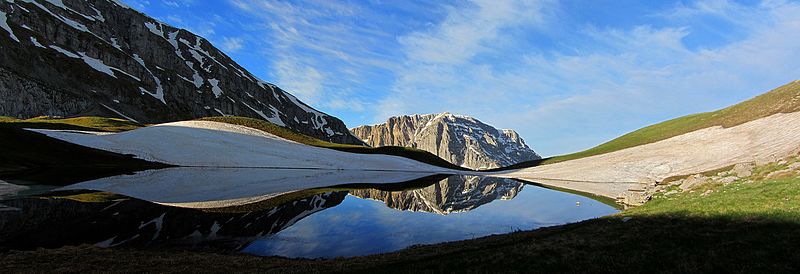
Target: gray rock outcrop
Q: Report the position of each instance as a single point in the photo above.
(462, 140)
(100, 57)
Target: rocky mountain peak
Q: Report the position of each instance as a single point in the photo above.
(103, 58)
(462, 140)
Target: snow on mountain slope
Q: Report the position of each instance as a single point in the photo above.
(462, 140)
(214, 144)
(224, 187)
(100, 57)
(612, 174)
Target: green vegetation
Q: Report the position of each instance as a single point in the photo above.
(411, 153)
(768, 200)
(785, 99)
(88, 123)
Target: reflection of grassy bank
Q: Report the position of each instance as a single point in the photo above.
(738, 227)
(293, 196)
(605, 200)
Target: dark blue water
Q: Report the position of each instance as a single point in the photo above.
(361, 226)
(289, 213)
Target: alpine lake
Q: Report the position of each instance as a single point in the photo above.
(294, 213)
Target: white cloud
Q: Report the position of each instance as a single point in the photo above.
(303, 81)
(464, 32)
(618, 79)
(232, 44)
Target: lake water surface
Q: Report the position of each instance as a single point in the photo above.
(289, 213)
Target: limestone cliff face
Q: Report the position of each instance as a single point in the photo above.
(452, 195)
(100, 57)
(462, 140)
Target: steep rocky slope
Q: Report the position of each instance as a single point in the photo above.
(100, 57)
(462, 140)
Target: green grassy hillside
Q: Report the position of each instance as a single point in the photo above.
(89, 123)
(785, 99)
(411, 153)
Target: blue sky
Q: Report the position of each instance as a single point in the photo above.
(567, 75)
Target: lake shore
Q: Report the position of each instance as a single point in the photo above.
(708, 228)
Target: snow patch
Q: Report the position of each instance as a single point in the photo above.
(220, 112)
(318, 120)
(159, 93)
(115, 43)
(215, 87)
(118, 112)
(119, 3)
(97, 65)
(36, 42)
(5, 26)
(197, 143)
(153, 29)
(99, 15)
(65, 52)
(57, 3)
(275, 120)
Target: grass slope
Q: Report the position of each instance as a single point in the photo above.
(785, 99)
(411, 153)
(89, 123)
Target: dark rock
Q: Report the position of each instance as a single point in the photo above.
(99, 57)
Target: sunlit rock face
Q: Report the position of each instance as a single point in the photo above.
(451, 195)
(127, 222)
(100, 57)
(461, 140)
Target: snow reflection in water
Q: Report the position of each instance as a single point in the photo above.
(291, 213)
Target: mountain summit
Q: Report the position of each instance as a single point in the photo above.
(102, 58)
(462, 140)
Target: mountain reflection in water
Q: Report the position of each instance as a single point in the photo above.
(291, 213)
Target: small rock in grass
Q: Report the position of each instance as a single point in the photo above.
(728, 180)
(693, 181)
(743, 169)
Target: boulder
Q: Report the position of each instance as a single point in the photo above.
(743, 170)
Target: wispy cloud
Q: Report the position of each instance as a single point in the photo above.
(615, 80)
(567, 76)
(232, 44)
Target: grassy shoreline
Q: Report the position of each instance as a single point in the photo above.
(745, 226)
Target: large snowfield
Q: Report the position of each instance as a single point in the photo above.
(215, 144)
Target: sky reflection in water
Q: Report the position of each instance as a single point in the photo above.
(360, 226)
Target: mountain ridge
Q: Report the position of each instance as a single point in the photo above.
(459, 139)
(103, 58)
